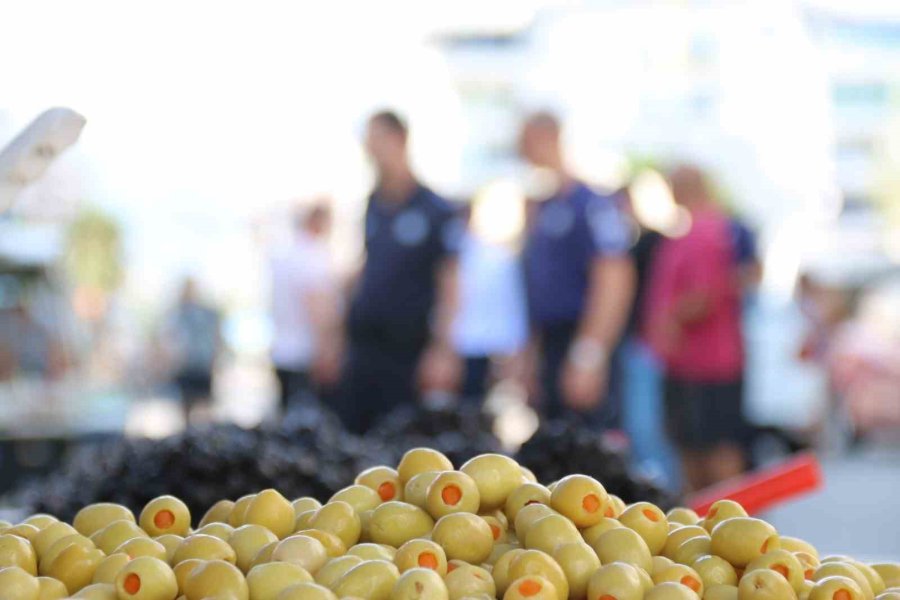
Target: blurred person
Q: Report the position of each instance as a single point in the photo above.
(194, 341)
(27, 346)
(579, 279)
(306, 345)
(641, 370)
(492, 325)
(404, 300)
(693, 321)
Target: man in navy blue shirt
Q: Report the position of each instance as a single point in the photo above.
(404, 301)
(579, 278)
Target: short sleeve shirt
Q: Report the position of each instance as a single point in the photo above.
(404, 244)
(568, 232)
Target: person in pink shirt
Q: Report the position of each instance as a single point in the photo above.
(693, 322)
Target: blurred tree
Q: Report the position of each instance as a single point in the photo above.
(93, 262)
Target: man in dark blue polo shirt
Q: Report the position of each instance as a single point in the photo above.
(404, 301)
(579, 278)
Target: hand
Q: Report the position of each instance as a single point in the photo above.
(522, 367)
(440, 369)
(326, 367)
(583, 388)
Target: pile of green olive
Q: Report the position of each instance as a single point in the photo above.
(424, 531)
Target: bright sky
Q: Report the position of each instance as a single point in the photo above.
(203, 114)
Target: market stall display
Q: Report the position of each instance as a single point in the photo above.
(487, 530)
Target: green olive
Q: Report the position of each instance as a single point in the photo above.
(616, 580)
(649, 522)
(383, 480)
(692, 549)
(395, 523)
(165, 514)
(500, 572)
(340, 519)
(239, 510)
(273, 511)
(809, 563)
(421, 554)
(141, 546)
(109, 567)
(527, 493)
(681, 574)
(836, 587)
(615, 507)
(420, 584)
(580, 498)
(75, 566)
(671, 590)
(333, 544)
(578, 562)
(264, 555)
(217, 513)
(529, 515)
(360, 497)
(782, 562)
(266, 581)
(764, 584)
(498, 528)
(658, 564)
(590, 534)
(114, 535)
(715, 570)
(679, 536)
(98, 591)
(682, 516)
(94, 517)
(371, 579)
(535, 562)
(452, 492)
(222, 531)
(303, 520)
(51, 589)
(170, 542)
(304, 504)
(204, 547)
(40, 520)
(17, 583)
(739, 540)
(793, 544)
(370, 551)
(216, 579)
(303, 550)
(23, 530)
(146, 578)
(183, 569)
(534, 587)
(335, 568)
(306, 591)
(496, 477)
(464, 536)
(623, 545)
(49, 535)
(721, 510)
(247, 541)
(721, 592)
(828, 569)
(17, 552)
(547, 533)
(469, 580)
(420, 460)
(415, 491)
(889, 572)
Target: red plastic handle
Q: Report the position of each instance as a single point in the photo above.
(764, 488)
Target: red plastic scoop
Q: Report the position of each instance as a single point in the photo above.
(764, 488)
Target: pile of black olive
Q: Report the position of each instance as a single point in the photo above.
(309, 453)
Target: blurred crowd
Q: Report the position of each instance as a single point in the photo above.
(564, 294)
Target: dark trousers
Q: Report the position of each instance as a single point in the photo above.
(379, 375)
(294, 385)
(555, 342)
(476, 378)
